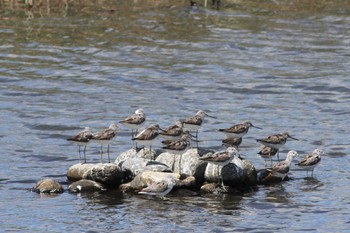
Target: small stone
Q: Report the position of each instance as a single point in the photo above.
(48, 186)
(85, 186)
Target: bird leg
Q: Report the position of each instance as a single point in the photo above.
(79, 155)
(84, 154)
(109, 159)
(101, 153)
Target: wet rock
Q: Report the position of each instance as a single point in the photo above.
(147, 154)
(146, 178)
(133, 166)
(187, 163)
(85, 186)
(125, 155)
(232, 174)
(108, 174)
(140, 153)
(48, 186)
(77, 171)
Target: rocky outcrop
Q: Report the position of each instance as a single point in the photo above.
(48, 186)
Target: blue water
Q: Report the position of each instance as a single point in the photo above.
(67, 70)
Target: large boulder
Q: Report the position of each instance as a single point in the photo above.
(131, 167)
(140, 153)
(232, 174)
(48, 186)
(186, 164)
(131, 153)
(77, 171)
(108, 174)
(85, 186)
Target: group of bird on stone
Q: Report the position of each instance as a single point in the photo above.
(178, 137)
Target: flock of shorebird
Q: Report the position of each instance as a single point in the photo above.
(177, 139)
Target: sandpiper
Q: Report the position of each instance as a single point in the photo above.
(195, 122)
(147, 136)
(276, 141)
(172, 132)
(267, 153)
(135, 121)
(160, 188)
(281, 169)
(310, 161)
(82, 139)
(178, 146)
(105, 137)
(239, 130)
(222, 158)
(232, 142)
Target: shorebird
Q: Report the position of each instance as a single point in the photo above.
(222, 158)
(266, 153)
(105, 137)
(147, 136)
(276, 141)
(232, 142)
(172, 132)
(195, 122)
(239, 130)
(281, 169)
(160, 188)
(134, 121)
(82, 139)
(310, 161)
(178, 147)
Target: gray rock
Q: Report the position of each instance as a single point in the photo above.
(48, 186)
(77, 171)
(147, 154)
(125, 155)
(108, 174)
(187, 163)
(232, 175)
(85, 186)
(134, 166)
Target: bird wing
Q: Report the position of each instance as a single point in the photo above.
(193, 120)
(217, 157)
(146, 134)
(106, 134)
(134, 119)
(177, 145)
(281, 167)
(235, 129)
(172, 131)
(309, 160)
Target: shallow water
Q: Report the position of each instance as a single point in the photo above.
(89, 66)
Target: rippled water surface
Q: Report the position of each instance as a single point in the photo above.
(285, 67)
